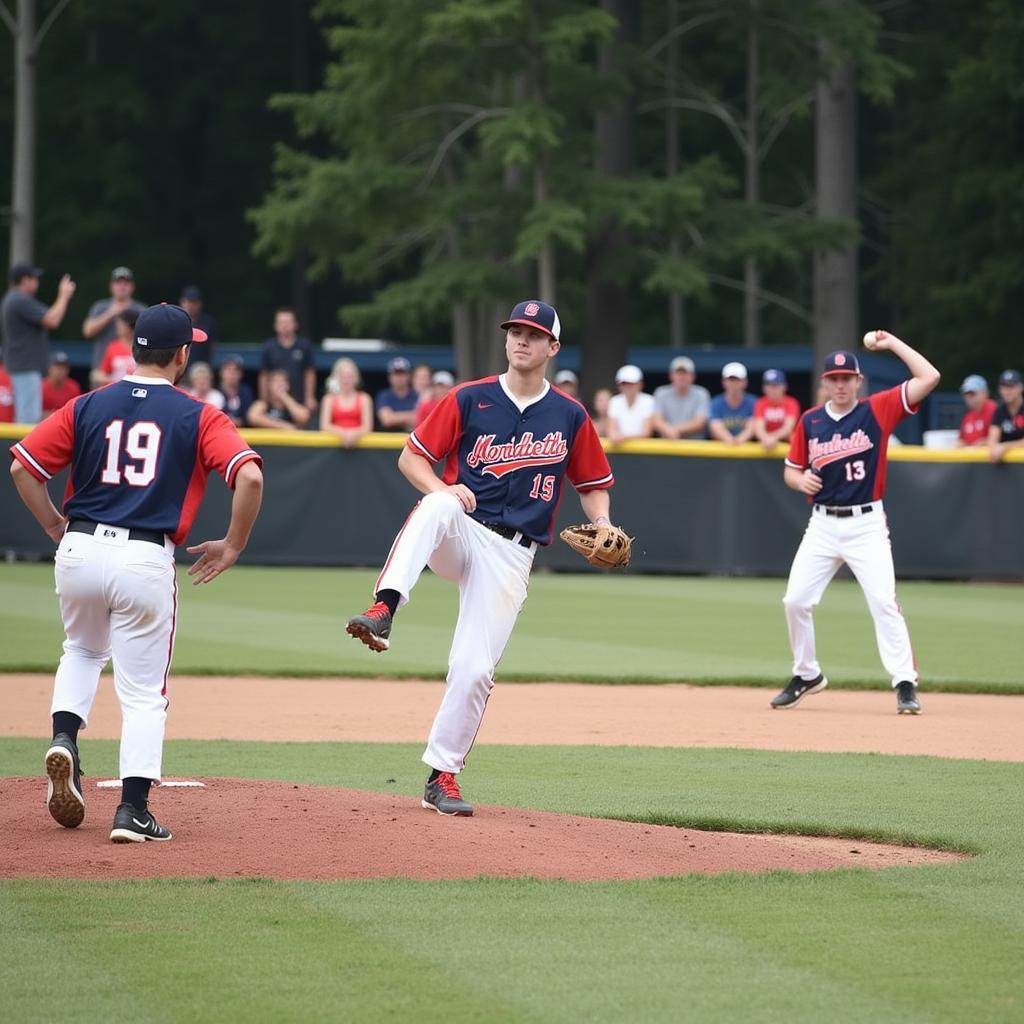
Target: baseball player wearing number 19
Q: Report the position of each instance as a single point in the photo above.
(837, 457)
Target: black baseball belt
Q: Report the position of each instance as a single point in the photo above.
(507, 532)
(844, 512)
(134, 533)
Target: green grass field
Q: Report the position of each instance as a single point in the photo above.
(931, 944)
(601, 628)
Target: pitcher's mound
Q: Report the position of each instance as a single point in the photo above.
(243, 828)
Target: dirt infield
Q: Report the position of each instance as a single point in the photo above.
(242, 828)
(953, 725)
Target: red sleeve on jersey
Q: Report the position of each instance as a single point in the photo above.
(221, 448)
(438, 434)
(797, 455)
(892, 406)
(759, 407)
(588, 468)
(48, 447)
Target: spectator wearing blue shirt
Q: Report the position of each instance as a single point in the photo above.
(396, 404)
(732, 413)
(293, 354)
(237, 394)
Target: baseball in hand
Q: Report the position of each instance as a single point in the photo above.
(871, 338)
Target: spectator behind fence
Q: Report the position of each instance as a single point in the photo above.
(775, 412)
(279, 411)
(567, 382)
(422, 379)
(237, 394)
(59, 387)
(631, 411)
(100, 326)
(599, 411)
(24, 322)
(292, 354)
(978, 418)
(346, 410)
(192, 302)
(440, 384)
(681, 407)
(732, 413)
(1007, 429)
(117, 361)
(396, 404)
(6, 396)
(200, 385)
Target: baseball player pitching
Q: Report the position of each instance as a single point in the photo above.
(139, 451)
(837, 457)
(507, 444)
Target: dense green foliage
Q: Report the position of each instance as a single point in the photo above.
(930, 944)
(668, 629)
(392, 160)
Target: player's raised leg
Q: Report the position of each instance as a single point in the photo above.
(869, 555)
(433, 534)
(814, 565)
(490, 599)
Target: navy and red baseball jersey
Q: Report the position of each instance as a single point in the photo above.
(849, 453)
(515, 462)
(140, 451)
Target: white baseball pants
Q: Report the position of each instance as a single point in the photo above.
(862, 542)
(493, 574)
(118, 597)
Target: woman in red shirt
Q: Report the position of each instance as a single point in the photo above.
(345, 410)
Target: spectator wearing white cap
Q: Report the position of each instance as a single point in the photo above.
(978, 417)
(775, 412)
(631, 411)
(441, 382)
(681, 408)
(568, 382)
(732, 412)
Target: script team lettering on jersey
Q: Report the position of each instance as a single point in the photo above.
(849, 453)
(514, 460)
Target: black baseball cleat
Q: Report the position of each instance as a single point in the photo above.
(798, 689)
(64, 792)
(134, 826)
(906, 699)
(442, 795)
(373, 627)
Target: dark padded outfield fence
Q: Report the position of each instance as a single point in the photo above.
(694, 508)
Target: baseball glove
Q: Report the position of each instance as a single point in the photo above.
(606, 546)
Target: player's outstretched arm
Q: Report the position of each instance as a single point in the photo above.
(216, 556)
(596, 506)
(925, 377)
(34, 494)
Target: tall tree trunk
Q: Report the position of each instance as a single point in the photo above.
(676, 302)
(606, 326)
(546, 286)
(752, 185)
(23, 190)
(835, 271)
(302, 298)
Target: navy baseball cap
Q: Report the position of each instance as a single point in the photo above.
(773, 377)
(22, 270)
(840, 362)
(166, 326)
(399, 365)
(193, 292)
(534, 313)
(1009, 377)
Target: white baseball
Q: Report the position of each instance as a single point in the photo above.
(871, 339)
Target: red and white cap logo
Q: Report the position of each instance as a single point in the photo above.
(532, 309)
(840, 359)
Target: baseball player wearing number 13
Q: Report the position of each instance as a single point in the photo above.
(837, 457)
(507, 443)
(139, 453)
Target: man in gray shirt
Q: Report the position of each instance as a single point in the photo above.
(100, 326)
(681, 408)
(25, 321)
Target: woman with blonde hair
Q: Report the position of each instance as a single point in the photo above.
(345, 410)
